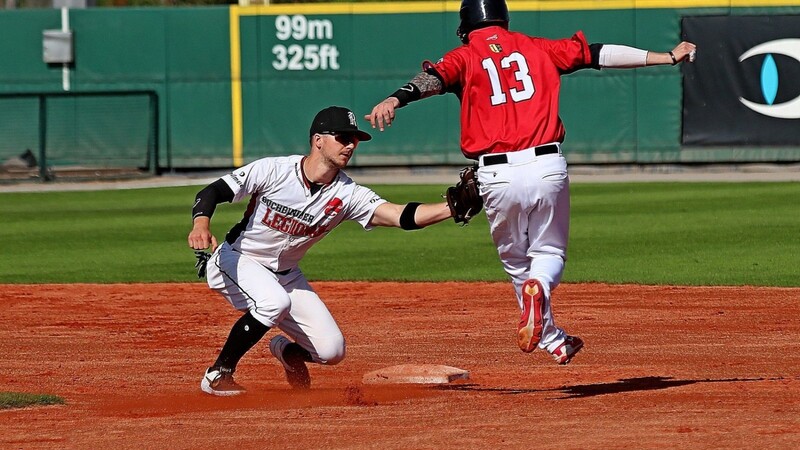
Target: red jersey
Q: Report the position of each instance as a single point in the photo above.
(508, 84)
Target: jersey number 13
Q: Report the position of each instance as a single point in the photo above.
(521, 74)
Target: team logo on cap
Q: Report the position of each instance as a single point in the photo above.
(495, 48)
(351, 117)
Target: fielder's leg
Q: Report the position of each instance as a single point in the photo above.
(316, 335)
(249, 287)
(245, 333)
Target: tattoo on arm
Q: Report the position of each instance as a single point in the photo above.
(428, 84)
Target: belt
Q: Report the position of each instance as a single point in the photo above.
(279, 272)
(502, 158)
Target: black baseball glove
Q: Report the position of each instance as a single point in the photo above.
(202, 261)
(464, 199)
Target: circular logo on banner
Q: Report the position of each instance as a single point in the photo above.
(770, 80)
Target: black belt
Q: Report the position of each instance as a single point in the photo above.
(501, 158)
(279, 272)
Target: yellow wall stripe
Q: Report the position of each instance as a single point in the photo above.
(522, 5)
(236, 87)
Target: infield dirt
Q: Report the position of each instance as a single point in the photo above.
(663, 367)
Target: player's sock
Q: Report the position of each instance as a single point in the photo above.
(245, 333)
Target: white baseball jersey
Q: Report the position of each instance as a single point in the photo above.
(284, 219)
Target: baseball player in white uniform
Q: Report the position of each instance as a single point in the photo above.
(294, 202)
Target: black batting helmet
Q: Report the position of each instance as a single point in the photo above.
(481, 13)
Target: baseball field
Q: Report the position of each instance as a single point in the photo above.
(686, 294)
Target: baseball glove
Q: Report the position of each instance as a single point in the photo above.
(202, 261)
(464, 199)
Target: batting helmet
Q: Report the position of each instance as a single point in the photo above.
(481, 13)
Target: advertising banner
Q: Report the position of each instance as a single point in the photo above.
(744, 88)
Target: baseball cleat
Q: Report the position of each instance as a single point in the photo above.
(290, 355)
(529, 330)
(564, 353)
(219, 381)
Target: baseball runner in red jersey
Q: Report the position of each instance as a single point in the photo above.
(508, 84)
(294, 202)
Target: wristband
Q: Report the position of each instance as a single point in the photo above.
(672, 55)
(407, 94)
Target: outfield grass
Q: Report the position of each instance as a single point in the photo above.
(651, 233)
(9, 400)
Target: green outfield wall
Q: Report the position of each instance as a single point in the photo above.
(233, 84)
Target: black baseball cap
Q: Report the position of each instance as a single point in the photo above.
(335, 119)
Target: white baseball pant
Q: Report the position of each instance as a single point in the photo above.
(527, 204)
(286, 301)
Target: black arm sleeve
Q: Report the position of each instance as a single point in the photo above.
(209, 197)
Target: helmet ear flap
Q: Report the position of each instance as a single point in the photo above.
(463, 35)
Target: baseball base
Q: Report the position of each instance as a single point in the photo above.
(416, 374)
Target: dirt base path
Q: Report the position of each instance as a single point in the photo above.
(663, 367)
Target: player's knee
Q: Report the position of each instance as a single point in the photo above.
(331, 351)
(271, 311)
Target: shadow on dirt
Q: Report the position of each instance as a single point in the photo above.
(615, 387)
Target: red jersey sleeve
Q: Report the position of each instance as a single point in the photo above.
(568, 55)
(449, 67)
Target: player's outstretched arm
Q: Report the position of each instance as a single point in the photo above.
(685, 51)
(382, 114)
(423, 85)
(623, 57)
(411, 216)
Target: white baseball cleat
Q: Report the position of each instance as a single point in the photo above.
(219, 381)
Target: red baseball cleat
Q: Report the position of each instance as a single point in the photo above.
(529, 330)
(564, 353)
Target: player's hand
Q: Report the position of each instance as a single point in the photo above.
(685, 52)
(200, 238)
(382, 114)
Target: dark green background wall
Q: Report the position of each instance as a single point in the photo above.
(183, 55)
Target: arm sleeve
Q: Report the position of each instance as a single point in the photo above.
(209, 197)
(619, 56)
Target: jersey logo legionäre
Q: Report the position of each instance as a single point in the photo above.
(496, 48)
(289, 220)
